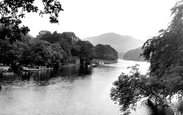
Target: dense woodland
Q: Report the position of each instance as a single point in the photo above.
(52, 49)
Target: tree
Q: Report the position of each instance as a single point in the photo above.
(11, 53)
(50, 37)
(11, 28)
(44, 35)
(37, 53)
(58, 54)
(70, 37)
(105, 52)
(165, 78)
(86, 52)
(72, 41)
(27, 57)
(42, 53)
(12, 12)
(68, 42)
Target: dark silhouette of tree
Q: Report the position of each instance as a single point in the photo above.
(13, 11)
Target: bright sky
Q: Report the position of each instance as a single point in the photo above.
(138, 18)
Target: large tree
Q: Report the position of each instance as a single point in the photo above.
(13, 11)
(165, 78)
(38, 53)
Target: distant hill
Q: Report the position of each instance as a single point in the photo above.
(119, 42)
(134, 55)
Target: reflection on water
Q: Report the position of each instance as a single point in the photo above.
(42, 77)
(67, 91)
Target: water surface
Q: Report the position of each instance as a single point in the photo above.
(69, 91)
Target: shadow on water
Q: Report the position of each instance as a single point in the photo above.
(66, 73)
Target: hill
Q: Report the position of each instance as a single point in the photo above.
(118, 42)
(134, 55)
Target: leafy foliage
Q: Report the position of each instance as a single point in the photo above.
(129, 89)
(105, 52)
(10, 53)
(49, 49)
(71, 45)
(86, 52)
(39, 53)
(12, 32)
(13, 11)
(165, 77)
(67, 41)
(57, 53)
(164, 52)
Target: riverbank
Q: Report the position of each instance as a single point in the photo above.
(97, 61)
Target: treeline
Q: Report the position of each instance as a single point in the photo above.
(134, 54)
(52, 49)
(69, 46)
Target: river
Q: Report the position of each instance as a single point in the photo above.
(68, 91)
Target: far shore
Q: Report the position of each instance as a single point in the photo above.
(5, 68)
(105, 61)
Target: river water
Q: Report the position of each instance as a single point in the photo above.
(69, 91)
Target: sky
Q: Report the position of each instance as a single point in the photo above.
(141, 19)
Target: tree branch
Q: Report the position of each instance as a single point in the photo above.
(166, 103)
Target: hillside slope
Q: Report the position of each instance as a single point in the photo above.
(134, 54)
(119, 42)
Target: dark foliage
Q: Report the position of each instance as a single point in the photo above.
(105, 52)
(165, 78)
(86, 52)
(12, 12)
